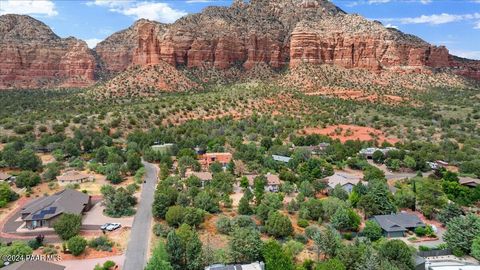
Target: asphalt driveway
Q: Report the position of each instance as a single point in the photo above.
(137, 249)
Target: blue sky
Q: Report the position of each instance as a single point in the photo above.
(453, 23)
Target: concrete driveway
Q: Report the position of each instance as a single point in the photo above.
(95, 217)
(90, 263)
(137, 249)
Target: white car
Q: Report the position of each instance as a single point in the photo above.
(113, 226)
(104, 226)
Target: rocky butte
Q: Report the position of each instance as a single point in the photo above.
(278, 33)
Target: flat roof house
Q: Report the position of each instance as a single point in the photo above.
(44, 211)
(283, 159)
(33, 265)
(73, 177)
(165, 148)
(347, 181)
(395, 225)
(208, 158)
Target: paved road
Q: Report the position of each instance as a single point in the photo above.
(137, 249)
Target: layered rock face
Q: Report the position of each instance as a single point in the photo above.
(32, 56)
(333, 40)
(274, 33)
(279, 33)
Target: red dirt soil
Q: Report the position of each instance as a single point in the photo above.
(351, 132)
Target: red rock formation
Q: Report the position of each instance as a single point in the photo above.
(32, 56)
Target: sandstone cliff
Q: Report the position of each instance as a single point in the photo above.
(32, 56)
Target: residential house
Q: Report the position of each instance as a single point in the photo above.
(368, 152)
(273, 182)
(283, 159)
(451, 264)
(5, 176)
(251, 266)
(314, 149)
(469, 182)
(33, 265)
(396, 225)
(346, 180)
(165, 148)
(205, 177)
(74, 177)
(44, 211)
(208, 159)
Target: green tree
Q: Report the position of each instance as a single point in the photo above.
(245, 245)
(28, 160)
(378, 200)
(101, 154)
(398, 253)
(6, 194)
(193, 253)
(27, 179)
(378, 156)
(68, 225)
(461, 231)
(371, 172)
(372, 230)
(77, 245)
(475, 249)
(174, 216)
(206, 202)
(118, 202)
(275, 257)
(134, 162)
(339, 192)
(159, 258)
(175, 250)
(278, 225)
(193, 216)
(345, 219)
(450, 211)
(430, 196)
(17, 249)
(327, 242)
(244, 206)
(331, 264)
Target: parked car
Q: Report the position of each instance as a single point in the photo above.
(104, 226)
(113, 226)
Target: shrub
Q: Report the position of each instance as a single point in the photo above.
(348, 236)
(224, 225)
(301, 238)
(76, 245)
(68, 225)
(303, 223)
(278, 225)
(161, 230)
(311, 230)
(174, 215)
(49, 250)
(34, 244)
(243, 222)
(101, 243)
(420, 231)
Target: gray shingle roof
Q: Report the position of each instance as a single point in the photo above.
(33, 265)
(65, 201)
(398, 222)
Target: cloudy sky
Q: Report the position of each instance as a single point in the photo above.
(453, 23)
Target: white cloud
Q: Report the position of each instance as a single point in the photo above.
(92, 42)
(389, 25)
(436, 19)
(198, 1)
(32, 7)
(466, 54)
(162, 12)
(425, 1)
